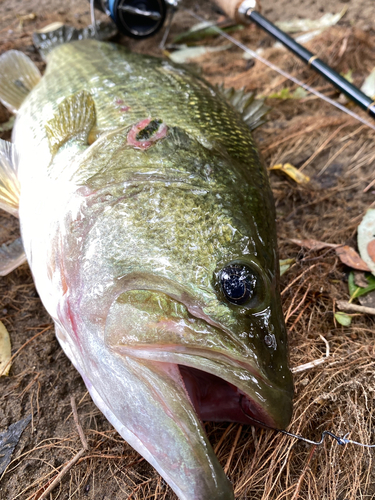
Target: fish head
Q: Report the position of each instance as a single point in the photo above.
(182, 314)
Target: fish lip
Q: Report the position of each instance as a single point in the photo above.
(277, 399)
(252, 389)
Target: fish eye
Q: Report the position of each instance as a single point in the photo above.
(239, 283)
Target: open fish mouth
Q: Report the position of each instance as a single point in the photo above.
(220, 382)
(217, 400)
(223, 392)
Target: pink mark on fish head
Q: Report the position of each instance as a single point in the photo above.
(146, 132)
(122, 106)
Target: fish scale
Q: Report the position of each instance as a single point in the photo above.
(148, 222)
(140, 86)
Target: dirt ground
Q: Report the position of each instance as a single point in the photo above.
(337, 153)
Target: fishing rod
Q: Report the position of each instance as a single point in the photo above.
(246, 12)
(144, 18)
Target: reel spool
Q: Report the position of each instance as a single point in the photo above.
(136, 18)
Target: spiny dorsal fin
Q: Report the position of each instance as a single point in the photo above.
(9, 185)
(52, 36)
(18, 75)
(11, 256)
(74, 116)
(252, 110)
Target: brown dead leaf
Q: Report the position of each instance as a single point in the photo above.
(345, 253)
(313, 244)
(360, 280)
(350, 257)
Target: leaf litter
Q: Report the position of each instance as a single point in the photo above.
(337, 394)
(5, 350)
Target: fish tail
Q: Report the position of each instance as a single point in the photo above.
(50, 36)
(18, 75)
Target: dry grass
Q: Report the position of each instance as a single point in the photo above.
(338, 154)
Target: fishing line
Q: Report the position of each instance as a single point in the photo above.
(281, 71)
(340, 440)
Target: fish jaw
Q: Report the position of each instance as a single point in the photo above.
(222, 376)
(147, 404)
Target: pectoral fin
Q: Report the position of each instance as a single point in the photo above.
(9, 185)
(11, 256)
(18, 75)
(75, 117)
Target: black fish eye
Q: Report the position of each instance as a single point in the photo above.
(238, 283)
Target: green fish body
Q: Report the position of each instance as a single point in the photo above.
(148, 222)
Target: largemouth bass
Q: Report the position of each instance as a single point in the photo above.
(148, 223)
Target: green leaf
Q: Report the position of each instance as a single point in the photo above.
(285, 265)
(204, 30)
(183, 55)
(357, 291)
(300, 93)
(282, 94)
(348, 75)
(351, 284)
(343, 319)
(285, 94)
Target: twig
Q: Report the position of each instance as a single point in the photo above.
(322, 146)
(298, 277)
(315, 362)
(227, 465)
(298, 305)
(137, 487)
(333, 158)
(372, 183)
(226, 432)
(347, 306)
(76, 457)
(62, 473)
(78, 425)
(299, 483)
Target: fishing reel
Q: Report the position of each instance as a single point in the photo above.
(136, 18)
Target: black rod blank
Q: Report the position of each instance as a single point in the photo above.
(314, 62)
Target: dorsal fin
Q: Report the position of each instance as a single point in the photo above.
(18, 75)
(9, 185)
(52, 36)
(252, 110)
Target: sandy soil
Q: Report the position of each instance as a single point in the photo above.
(42, 379)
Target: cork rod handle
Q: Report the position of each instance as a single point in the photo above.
(230, 7)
